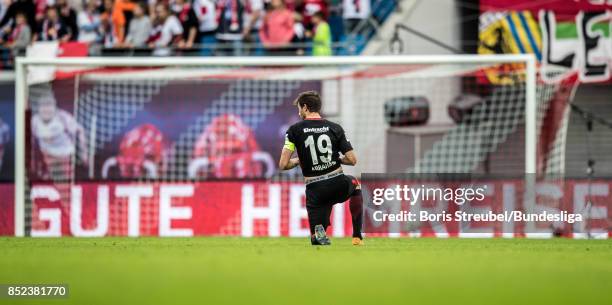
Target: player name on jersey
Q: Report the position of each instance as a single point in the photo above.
(322, 167)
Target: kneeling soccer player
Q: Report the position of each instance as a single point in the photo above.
(319, 144)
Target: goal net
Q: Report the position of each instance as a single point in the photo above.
(112, 147)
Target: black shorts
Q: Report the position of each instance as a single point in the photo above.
(330, 191)
(322, 195)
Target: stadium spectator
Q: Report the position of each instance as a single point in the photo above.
(139, 29)
(321, 39)
(167, 30)
(40, 7)
(52, 28)
(299, 31)
(277, 29)
(107, 27)
(118, 18)
(222, 24)
(88, 21)
(25, 6)
(20, 36)
(252, 23)
(189, 22)
(68, 17)
(354, 12)
(230, 15)
(205, 11)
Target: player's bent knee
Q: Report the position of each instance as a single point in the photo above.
(355, 183)
(354, 180)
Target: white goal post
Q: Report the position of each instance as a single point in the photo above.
(21, 91)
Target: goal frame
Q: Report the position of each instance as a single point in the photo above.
(22, 63)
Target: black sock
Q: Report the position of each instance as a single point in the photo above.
(327, 220)
(316, 216)
(356, 207)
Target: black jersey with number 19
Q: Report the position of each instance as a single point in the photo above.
(318, 143)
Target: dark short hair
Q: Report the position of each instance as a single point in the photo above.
(22, 14)
(319, 14)
(144, 7)
(311, 99)
(163, 5)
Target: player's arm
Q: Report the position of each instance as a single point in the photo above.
(349, 158)
(78, 133)
(286, 162)
(345, 147)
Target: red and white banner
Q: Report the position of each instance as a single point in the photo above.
(254, 208)
(175, 209)
(418, 206)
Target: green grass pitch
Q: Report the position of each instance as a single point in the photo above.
(290, 271)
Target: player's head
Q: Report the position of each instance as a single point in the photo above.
(47, 107)
(308, 102)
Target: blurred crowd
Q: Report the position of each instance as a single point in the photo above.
(213, 27)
